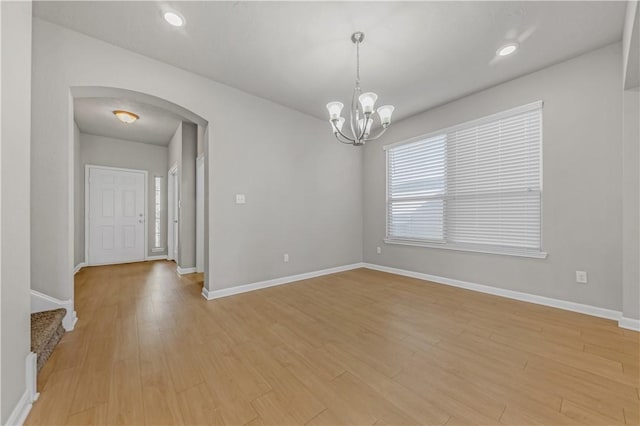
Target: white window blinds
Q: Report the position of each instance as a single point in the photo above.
(475, 186)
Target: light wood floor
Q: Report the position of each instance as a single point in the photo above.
(359, 347)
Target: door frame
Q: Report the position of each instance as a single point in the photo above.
(200, 192)
(172, 212)
(87, 228)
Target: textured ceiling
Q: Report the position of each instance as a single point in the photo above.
(416, 55)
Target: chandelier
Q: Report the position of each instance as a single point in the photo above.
(361, 115)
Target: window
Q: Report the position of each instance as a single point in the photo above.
(476, 186)
(157, 234)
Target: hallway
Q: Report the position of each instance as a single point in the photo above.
(137, 323)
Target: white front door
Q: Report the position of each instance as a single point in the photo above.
(116, 216)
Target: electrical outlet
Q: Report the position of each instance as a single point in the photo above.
(379, 250)
(581, 277)
(286, 257)
(240, 199)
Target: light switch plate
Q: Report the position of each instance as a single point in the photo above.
(240, 199)
(581, 277)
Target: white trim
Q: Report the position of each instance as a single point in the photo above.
(23, 407)
(87, 226)
(488, 249)
(78, 267)
(41, 302)
(183, 271)
(32, 376)
(200, 199)
(159, 257)
(172, 181)
(20, 411)
(629, 323)
(157, 249)
(510, 294)
(471, 123)
(216, 294)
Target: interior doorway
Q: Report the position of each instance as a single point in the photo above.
(200, 214)
(173, 204)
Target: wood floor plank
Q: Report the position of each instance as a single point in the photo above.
(360, 347)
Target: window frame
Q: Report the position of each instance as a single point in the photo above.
(157, 220)
(480, 248)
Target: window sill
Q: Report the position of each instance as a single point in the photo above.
(487, 250)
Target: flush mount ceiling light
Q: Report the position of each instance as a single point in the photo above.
(362, 110)
(507, 49)
(174, 19)
(125, 116)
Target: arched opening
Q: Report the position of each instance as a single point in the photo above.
(188, 194)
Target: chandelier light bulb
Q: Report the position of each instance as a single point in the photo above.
(334, 108)
(368, 101)
(385, 112)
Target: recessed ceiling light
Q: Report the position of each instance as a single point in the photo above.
(174, 19)
(125, 116)
(507, 49)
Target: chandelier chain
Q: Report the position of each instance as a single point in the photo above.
(358, 62)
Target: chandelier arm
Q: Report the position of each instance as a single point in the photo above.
(339, 132)
(348, 141)
(384, 129)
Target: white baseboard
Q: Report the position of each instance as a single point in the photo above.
(20, 411)
(41, 302)
(216, 294)
(23, 407)
(78, 267)
(511, 294)
(158, 257)
(629, 323)
(183, 271)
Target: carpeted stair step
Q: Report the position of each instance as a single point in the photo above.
(46, 332)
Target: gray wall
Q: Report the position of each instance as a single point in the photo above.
(174, 155)
(15, 46)
(78, 200)
(582, 153)
(304, 192)
(102, 151)
(631, 207)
